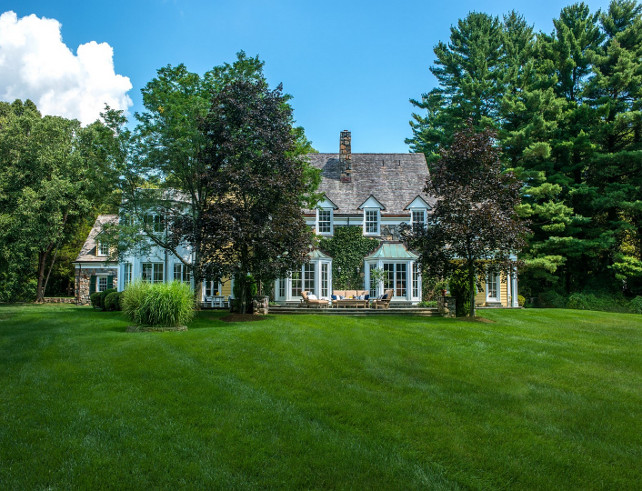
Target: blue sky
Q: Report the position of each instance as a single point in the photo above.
(348, 65)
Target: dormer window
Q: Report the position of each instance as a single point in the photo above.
(371, 221)
(324, 221)
(418, 219)
(103, 249)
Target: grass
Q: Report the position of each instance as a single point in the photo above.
(534, 399)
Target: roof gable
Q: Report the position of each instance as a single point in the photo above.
(418, 202)
(371, 202)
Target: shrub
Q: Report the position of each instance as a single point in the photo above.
(160, 304)
(103, 296)
(95, 300)
(551, 299)
(521, 301)
(132, 299)
(606, 302)
(112, 301)
(636, 305)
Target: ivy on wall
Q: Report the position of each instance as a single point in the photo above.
(348, 247)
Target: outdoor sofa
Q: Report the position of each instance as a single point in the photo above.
(350, 298)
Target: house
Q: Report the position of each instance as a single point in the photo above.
(377, 192)
(96, 268)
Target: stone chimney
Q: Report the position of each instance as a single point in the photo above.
(345, 156)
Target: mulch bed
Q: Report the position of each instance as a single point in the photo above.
(155, 328)
(242, 318)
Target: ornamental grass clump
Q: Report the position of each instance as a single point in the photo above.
(160, 304)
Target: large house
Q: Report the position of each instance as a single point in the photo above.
(376, 192)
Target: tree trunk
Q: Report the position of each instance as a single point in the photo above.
(42, 261)
(53, 261)
(471, 287)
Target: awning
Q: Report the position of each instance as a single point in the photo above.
(392, 250)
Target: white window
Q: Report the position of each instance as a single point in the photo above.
(395, 278)
(371, 222)
(103, 249)
(155, 222)
(182, 273)
(308, 277)
(325, 280)
(418, 219)
(415, 281)
(324, 221)
(153, 272)
(493, 283)
(296, 283)
(101, 284)
(127, 275)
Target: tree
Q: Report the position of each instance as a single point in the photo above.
(53, 173)
(166, 170)
(252, 224)
(474, 225)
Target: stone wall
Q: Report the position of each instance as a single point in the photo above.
(83, 281)
(59, 300)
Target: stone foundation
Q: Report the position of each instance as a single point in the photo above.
(59, 300)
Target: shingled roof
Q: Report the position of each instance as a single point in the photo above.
(394, 179)
(88, 251)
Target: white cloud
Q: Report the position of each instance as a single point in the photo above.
(35, 64)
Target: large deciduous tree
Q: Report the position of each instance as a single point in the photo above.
(169, 169)
(473, 225)
(252, 222)
(53, 173)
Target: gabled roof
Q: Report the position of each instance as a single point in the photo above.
(395, 179)
(88, 251)
(371, 202)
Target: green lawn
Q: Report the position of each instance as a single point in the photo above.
(534, 399)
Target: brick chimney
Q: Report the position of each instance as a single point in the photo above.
(345, 156)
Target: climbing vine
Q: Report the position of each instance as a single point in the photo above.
(348, 247)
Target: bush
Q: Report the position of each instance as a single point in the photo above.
(112, 301)
(551, 299)
(103, 296)
(521, 301)
(159, 304)
(95, 300)
(636, 305)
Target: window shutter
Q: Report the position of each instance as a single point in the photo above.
(92, 284)
(110, 281)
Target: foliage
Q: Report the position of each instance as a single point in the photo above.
(159, 304)
(112, 301)
(96, 300)
(244, 286)
(256, 177)
(567, 111)
(551, 299)
(460, 289)
(636, 305)
(473, 225)
(53, 173)
(521, 300)
(103, 296)
(348, 247)
(168, 156)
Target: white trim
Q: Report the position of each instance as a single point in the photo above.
(498, 281)
(378, 212)
(331, 211)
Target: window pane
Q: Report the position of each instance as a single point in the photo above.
(102, 283)
(178, 272)
(103, 249)
(415, 281)
(308, 277)
(296, 283)
(418, 219)
(127, 279)
(325, 225)
(147, 272)
(372, 221)
(325, 280)
(401, 280)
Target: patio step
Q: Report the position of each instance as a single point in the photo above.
(420, 311)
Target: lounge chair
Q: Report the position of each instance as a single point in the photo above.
(384, 301)
(313, 302)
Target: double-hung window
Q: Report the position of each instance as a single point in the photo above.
(154, 222)
(182, 273)
(102, 283)
(418, 218)
(324, 221)
(127, 276)
(152, 272)
(371, 222)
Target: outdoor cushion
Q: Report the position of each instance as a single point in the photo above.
(312, 296)
(384, 296)
(366, 297)
(334, 297)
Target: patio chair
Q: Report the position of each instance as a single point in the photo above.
(313, 302)
(384, 301)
